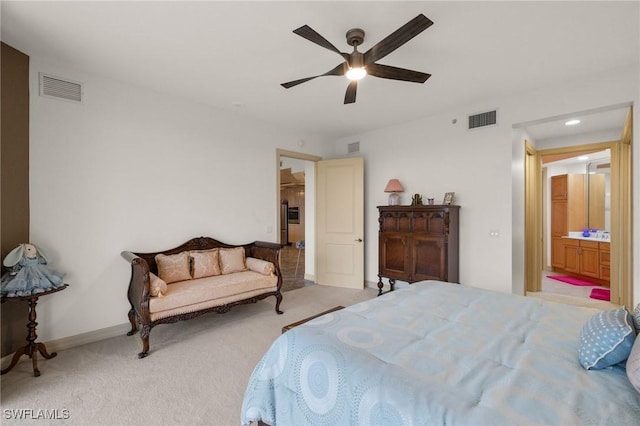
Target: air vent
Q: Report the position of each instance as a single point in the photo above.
(482, 120)
(60, 88)
(354, 147)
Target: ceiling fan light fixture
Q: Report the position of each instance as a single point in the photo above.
(356, 73)
(357, 65)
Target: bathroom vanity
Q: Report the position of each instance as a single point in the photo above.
(586, 257)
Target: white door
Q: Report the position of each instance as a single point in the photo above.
(340, 223)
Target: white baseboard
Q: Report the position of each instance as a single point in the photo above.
(88, 337)
(371, 284)
(80, 339)
(367, 284)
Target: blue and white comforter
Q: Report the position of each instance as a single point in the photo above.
(438, 353)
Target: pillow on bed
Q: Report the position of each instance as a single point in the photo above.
(633, 365)
(606, 339)
(173, 268)
(636, 318)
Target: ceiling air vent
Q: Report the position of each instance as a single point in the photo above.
(60, 88)
(482, 120)
(354, 147)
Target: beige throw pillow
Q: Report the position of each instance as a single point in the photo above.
(157, 286)
(259, 265)
(174, 267)
(232, 260)
(204, 263)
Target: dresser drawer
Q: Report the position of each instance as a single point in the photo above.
(414, 222)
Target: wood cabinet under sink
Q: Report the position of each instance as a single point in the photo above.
(588, 259)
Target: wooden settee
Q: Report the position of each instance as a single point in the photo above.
(193, 297)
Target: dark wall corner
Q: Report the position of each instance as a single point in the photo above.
(14, 180)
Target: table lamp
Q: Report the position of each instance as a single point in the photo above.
(394, 186)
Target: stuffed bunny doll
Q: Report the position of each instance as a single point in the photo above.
(27, 273)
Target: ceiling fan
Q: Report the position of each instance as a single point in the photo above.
(356, 64)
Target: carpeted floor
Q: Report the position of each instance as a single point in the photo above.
(195, 374)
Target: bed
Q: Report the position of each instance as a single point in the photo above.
(439, 353)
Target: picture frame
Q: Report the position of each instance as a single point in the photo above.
(448, 197)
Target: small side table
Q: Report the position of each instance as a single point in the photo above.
(32, 347)
(295, 324)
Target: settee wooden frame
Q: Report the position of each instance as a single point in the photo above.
(144, 263)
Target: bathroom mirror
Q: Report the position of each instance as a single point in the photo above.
(599, 191)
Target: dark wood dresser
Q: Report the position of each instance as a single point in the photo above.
(418, 243)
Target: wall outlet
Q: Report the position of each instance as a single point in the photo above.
(269, 229)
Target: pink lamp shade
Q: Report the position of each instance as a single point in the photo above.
(394, 186)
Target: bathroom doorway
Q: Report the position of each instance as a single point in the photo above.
(537, 225)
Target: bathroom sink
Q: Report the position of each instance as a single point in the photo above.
(603, 236)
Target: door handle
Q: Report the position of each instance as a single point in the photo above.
(359, 240)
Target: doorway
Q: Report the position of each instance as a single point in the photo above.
(296, 217)
(576, 202)
(617, 268)
(334, 219)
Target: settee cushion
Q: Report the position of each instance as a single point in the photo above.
(232, 260)
(157, 286)
(193, 295)
(204, 263)
(259, 265)
(174, 267)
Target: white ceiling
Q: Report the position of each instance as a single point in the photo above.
(606, 120)
(234, 55)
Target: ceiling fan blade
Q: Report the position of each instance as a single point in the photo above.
(397, 38)
(393, 73)
(310, 34)
(350, 95)
(339, 70)
(290, 84)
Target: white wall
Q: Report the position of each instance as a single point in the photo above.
(518, 158)
(137, 170)
(132, 169)
(433, 156)
(485, 167)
